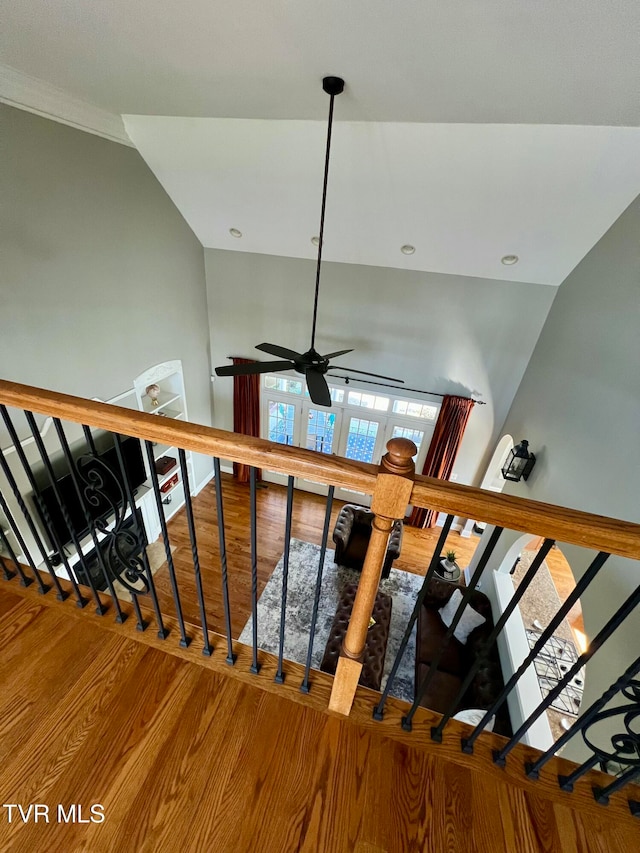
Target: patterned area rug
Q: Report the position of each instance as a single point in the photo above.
(403, 587)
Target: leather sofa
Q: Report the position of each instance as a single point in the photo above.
(458, 658)
(351, 536)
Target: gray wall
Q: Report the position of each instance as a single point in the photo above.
(101, 277)
(437, 332)
(579, 407)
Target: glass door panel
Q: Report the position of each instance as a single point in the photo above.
(361, 439)
(322, 435)
(414, 435)
(281, 422)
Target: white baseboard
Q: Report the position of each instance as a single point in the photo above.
(203, 483)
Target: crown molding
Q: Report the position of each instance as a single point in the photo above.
(37, 96)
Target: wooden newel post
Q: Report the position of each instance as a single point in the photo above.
(390, 500)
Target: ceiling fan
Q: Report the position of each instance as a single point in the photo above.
(310, 363)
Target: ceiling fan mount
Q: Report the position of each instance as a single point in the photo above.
(310, 364)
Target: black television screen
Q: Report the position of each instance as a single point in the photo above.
(99, 506)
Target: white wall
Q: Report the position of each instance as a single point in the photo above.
(101, 277)
(449, 334)
(579, 407)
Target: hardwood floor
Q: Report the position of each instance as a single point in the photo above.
(184, 757)
(307, 523)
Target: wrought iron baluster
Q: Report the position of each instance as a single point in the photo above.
(141, 536)
(80, 600)
(582, 723)
(601, 795)
(574, 595)
(231, 658)
(255, 666)
(304, 687)
(16, 532)
(280, 676)
(100, 608)
(436, 731)
(207, 648)
(378, 711)
(61, 594)
(184, 639)
(484, 559)
(7, 574)
(92, 489)
(603, 635)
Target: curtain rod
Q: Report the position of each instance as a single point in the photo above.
(348, 379)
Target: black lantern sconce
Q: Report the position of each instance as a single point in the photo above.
(519, 463)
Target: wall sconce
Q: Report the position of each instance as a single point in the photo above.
(519, 463)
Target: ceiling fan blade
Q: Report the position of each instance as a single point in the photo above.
(253, 367)
(366, 373)
(318, 388)
(283, 352)
(336, 354)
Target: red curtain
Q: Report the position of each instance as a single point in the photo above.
(246, 412)
(443, 450)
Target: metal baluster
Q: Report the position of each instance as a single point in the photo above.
(603, 635)
(8, 575)
(601, 795)
(255, 666)
(231, 658)
(279, 678)
(120, 615)
(566, 782)
(484, 559)
(436, 731)
(23, 545)
(81, 601)
(304, 687)
(34, 532)
(574, 595)
(163, 632)
(208, 648)
(378, 711)
(184, 639)
(100, 609)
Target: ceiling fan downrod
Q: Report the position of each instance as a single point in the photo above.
(332, 86)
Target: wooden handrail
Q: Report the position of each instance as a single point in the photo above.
(566, 525)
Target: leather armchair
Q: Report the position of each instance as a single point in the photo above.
(351, 536)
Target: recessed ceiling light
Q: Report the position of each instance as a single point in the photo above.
(235, 232)
(315, 241)
(407, 249)
(509, 260)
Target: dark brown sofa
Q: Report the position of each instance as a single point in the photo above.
(458, 658)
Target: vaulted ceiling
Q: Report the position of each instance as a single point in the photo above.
(469, 130)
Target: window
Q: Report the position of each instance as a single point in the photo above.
(281, 383)
(368, 401)
(415, 410)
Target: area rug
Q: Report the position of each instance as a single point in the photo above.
(403, 587)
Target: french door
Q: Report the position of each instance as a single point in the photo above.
(360, 434)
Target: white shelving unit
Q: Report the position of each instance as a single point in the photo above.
(171, 403)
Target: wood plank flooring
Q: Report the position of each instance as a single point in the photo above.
(184, 758)
(307, 523)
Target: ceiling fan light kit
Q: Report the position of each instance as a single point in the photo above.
(310, 364)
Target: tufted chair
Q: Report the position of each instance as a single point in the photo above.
(352, 533)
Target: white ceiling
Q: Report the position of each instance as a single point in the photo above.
(539, 62)
(471, 130)
(463, 195)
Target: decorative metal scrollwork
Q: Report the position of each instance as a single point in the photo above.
(625, 745)
(112, 516)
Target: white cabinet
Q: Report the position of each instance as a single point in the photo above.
(160, 391)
